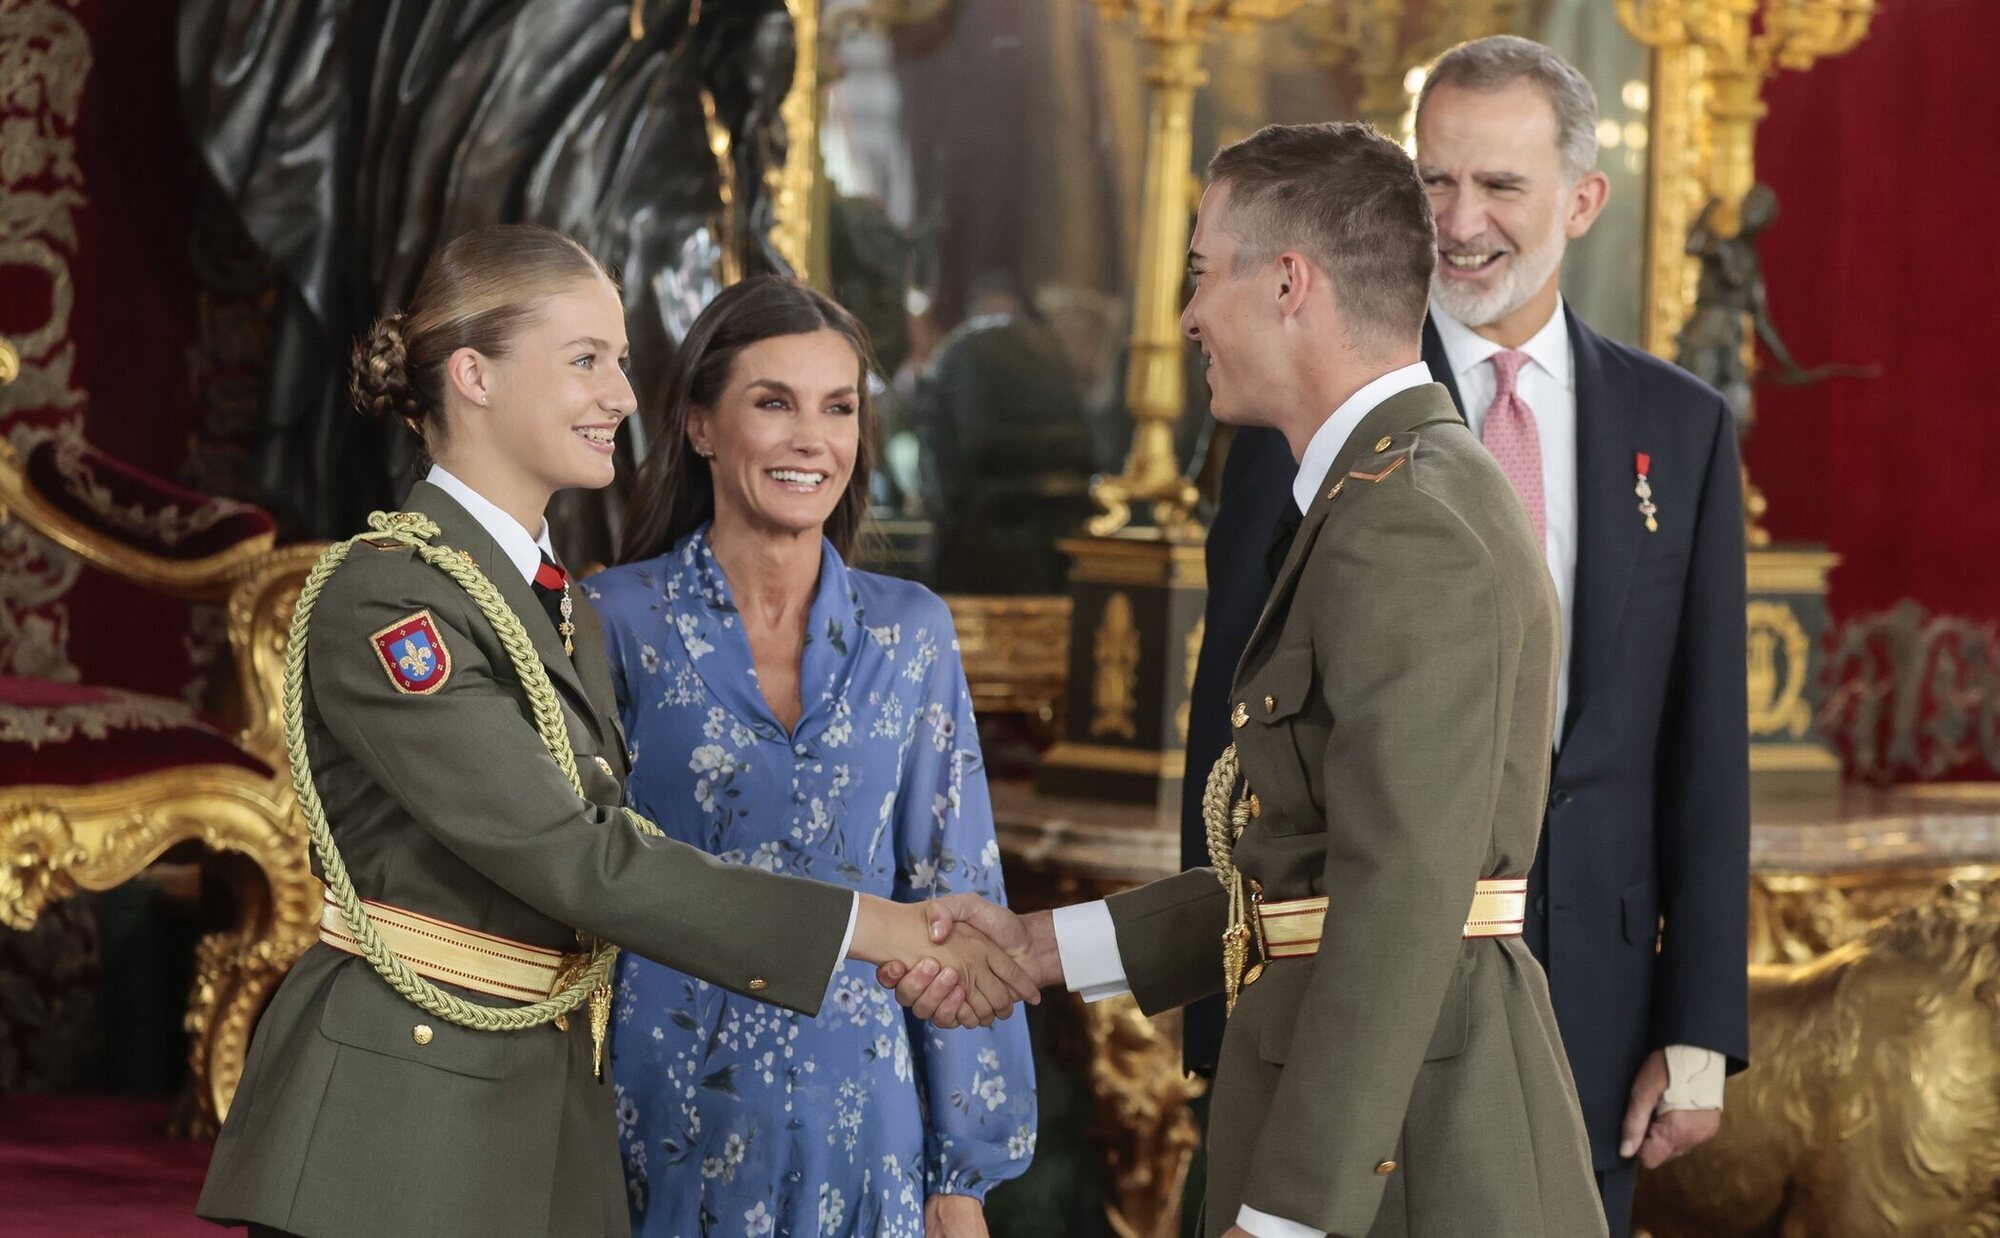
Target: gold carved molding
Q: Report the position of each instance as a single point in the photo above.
(208, 579)
(260, 625)
(1676, 168)
(1147, 1136)
(1016, 653)
(57, 840)
(1869, 1108)
(798, 230)
(1115, 682)
(1780, 657)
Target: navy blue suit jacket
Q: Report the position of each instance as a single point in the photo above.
(1639, 897)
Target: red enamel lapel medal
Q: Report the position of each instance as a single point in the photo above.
(414, 654)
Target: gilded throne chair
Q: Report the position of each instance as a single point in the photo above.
(98, 782)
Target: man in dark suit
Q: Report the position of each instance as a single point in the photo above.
(1638, 898)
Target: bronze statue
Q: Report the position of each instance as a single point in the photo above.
(353, 138)
(1731, 291)
(1871, 1108)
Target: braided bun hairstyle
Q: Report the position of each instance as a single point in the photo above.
(478, 292)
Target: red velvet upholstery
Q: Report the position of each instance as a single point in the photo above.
(75, 735)
(134, 507)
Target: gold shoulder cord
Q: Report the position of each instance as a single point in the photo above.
(590, 982)
(1225, 814)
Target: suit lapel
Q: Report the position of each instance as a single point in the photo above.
(1401, 412)
(1440, 365)
(459, 531)
(1608, 531)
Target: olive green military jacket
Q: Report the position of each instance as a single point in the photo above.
(347, 1123)
(1393, 714)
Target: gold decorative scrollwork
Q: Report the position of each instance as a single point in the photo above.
(1115, 685)
(1148, 1135)
(1015, 651)
(169, 525)
(1779, 656)
(1870, 1107)
(44, 63)
(796, 233)
(260, 624)
(57, 840)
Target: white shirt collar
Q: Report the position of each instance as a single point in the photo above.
(1332, 435)
(1466, 349)
(522, 550)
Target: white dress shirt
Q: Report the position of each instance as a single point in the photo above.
(1334, 432)
(1547, 385)
(524, 551)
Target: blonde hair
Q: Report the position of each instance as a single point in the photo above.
(478, 292)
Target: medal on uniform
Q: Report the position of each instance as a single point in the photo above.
(1644, 489)
(566, 627)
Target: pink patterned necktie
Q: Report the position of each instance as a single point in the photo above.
(1510, 434)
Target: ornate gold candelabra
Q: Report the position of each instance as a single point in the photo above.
(1740, 43)
(1175, 32)
(1375, 38)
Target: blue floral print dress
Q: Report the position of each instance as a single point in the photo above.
(736, 1117)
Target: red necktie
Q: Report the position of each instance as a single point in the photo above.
(1510, 434)
(552, 586)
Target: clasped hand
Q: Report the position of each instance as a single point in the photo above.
(935, 987)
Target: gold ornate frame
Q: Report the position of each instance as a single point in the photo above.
(56, 839)
(1679, 150)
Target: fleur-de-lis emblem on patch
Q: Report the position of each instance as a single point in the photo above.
(413, 653)
(416, 660)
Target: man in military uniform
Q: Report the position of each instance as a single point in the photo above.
(361, 1114)
(1391, 1066)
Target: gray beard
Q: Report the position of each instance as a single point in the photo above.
(1526, 273)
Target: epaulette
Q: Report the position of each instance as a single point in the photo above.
(1389, 453)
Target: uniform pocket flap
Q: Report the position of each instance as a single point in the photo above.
(362, 1011)
(1281, 688)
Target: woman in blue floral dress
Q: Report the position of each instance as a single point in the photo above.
(788, 712)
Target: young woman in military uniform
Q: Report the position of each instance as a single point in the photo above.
(432, 1067)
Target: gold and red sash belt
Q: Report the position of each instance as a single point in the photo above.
(453, 954)
(1291, 929)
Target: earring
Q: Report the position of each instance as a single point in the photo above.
(705, 453)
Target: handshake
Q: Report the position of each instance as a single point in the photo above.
(958, 961)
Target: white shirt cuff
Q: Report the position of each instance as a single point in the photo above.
(853, 918)
(1264, 1225)
(1694, 1079)
(1087, 943)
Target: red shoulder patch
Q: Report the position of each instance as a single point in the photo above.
(413, 654)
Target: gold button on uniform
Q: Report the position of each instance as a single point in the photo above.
(1385, 1169)
(1383, 443)
(1256, 810)
(421, 1033)
(606, 767)
(1270, 704)
(757, 985)
(1240, 716)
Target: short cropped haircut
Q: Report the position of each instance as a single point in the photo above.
(1349, 199)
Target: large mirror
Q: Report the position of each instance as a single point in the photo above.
(977, 202)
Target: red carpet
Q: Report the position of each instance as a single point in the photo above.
(97, 1167)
